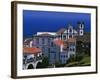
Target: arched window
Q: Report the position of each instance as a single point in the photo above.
(70, 30)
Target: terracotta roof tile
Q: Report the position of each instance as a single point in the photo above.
(59, 42)
(32, 50)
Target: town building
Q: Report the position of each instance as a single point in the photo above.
(31, 57)
(57, 46)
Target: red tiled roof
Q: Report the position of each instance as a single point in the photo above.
(59, 42)
(32, 50)
(71, 40)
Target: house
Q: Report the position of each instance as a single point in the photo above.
(62, 50)
(26, 42)
(31, 55)
(66, 49)
(44, 42)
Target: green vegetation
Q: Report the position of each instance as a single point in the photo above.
(58, 64)
(44, 64)
(82, 57)
(83, 47)
(84, 61)
(83, 52)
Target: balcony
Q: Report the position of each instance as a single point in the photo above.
(36, 58)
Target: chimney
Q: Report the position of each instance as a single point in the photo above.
(31, 43)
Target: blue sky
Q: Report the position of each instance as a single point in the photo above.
(47, 21)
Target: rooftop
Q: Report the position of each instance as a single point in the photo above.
(46, 33)
(32, 50)
(59, 42)
(71, 40)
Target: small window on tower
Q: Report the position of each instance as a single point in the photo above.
(70, 30)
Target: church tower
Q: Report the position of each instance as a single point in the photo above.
(80, 28)
(70, 31)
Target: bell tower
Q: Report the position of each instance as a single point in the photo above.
(80, 28)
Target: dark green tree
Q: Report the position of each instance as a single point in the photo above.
(45, 62)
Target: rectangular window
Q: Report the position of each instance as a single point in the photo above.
(66, 56)
(73, 49)
(37, 40)
(52, 44)
(43, 41)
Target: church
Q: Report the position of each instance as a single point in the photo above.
(57, 46)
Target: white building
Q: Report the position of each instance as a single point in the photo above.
(31, 57)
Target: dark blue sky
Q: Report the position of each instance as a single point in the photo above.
(47, 21)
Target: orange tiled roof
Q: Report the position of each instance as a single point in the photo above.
(59, 42)
(32, 50)
(71, 40)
